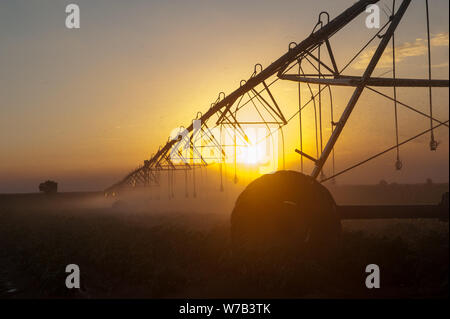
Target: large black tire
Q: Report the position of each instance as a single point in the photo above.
(285, 211)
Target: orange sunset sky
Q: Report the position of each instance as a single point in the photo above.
(85, 106)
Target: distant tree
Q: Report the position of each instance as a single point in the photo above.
(383, 183)
(429, 181)
(48, 187)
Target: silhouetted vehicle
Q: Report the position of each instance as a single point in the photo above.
(48, 187)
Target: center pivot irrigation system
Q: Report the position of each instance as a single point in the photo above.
(310, 63)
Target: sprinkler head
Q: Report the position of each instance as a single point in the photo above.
(433, 144)
(398, 165)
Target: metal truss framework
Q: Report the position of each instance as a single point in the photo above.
(255, 93)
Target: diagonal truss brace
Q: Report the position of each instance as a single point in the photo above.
(360, 88)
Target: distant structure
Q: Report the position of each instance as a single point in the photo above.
(383, 183)
(48, 187)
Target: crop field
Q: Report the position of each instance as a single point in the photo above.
(124, 253)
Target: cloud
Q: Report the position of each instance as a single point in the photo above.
(440, 65)
(440, 40)
(403, 51)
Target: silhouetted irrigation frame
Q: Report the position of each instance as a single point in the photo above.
(226, 108)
